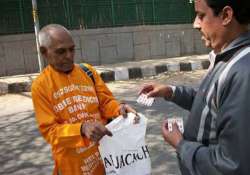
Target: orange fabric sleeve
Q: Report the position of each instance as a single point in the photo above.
(55, 133)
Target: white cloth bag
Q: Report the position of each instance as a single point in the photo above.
(125, 153)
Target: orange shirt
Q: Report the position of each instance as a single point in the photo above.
(62, 102)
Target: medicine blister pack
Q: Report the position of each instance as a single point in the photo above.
(177, 120)
(145, 100)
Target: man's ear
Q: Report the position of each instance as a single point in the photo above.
(227, 15)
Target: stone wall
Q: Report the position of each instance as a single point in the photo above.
(106, 46)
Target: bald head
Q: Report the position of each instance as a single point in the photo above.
(48, 32)
(57, 47)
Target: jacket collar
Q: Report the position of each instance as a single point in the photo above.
(240, 42)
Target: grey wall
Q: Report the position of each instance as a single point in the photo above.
(106, 46)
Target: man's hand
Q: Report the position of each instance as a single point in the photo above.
(174, 137)
(94, 130)
(125, 108)
(157, 90)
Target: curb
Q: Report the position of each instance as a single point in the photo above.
(125, 73)
(23, 83)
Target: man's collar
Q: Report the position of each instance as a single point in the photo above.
(242, 41)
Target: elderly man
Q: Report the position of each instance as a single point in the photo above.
(72, 104)
(216, 136)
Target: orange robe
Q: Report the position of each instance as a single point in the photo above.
(62, 102)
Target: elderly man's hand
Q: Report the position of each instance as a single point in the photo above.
(125, 108)
(172, 137)
(94, 130)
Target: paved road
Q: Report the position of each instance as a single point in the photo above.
(23, 151)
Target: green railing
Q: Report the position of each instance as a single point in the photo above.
(16, 15)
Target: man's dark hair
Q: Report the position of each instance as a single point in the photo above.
(241, 8)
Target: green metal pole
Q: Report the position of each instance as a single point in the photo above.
(82, 15)
(113, 12)
(36, 26)
(153, 6)
(21, 14)
(68, 13)
(192, 14)
(137, 13)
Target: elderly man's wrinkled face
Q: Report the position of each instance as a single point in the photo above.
(60, 53)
